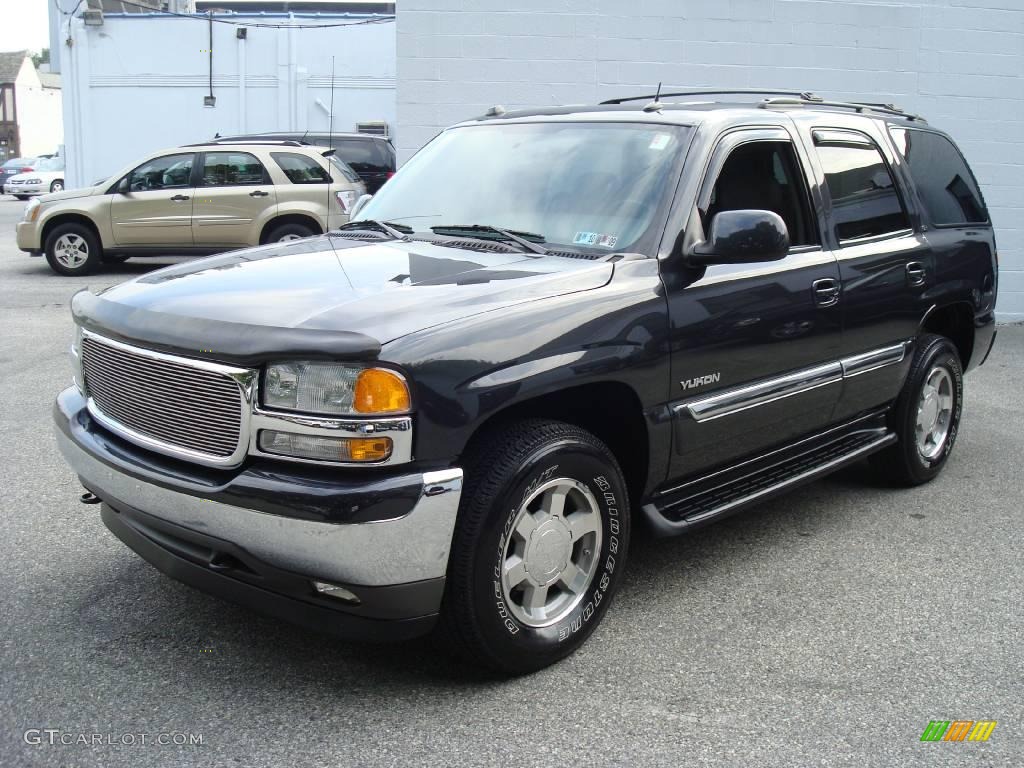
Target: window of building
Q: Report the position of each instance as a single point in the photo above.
(944, 182)
(865, 200)
(765, 175)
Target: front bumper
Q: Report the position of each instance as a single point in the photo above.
(27, 236)
(26, 189)
(211, 529)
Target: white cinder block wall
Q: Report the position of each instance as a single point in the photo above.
(960, 63)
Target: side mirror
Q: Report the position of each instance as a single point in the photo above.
(739, 237)
(122, 186)
(360, 204)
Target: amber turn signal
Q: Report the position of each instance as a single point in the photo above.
(379, 390)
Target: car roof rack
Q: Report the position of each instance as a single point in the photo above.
(776, 98)
(856, 106)
(270, 142)
(713, 92)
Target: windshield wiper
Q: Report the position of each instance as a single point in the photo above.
(525, 239)
(397, 231)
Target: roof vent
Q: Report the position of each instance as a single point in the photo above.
(374, 128)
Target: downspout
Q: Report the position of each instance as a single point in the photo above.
(241, 82)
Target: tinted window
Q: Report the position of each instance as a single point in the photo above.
(363, 156)
(865, 201)
(301, 169)
(945, 184)
(342, 166)
(766, 176)
(167, 172)
(230, 169)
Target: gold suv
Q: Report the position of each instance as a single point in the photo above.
(196, 199)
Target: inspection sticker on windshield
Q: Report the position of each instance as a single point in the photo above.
(595, 238)
(660, 141)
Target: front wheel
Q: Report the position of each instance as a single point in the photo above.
(287, 232)
(57, 186)
(22, 197)
(72, 249)
(926, 417)
(539, 548)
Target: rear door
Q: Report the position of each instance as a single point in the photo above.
(755, 347)
(234, 195)
(885, 263)
(157, 208)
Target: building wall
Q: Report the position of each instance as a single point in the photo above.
(136, 84)
(40, 122)
(958, 62)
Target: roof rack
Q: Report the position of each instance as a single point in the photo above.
(884, 109)
(805, 95)
(274, 143)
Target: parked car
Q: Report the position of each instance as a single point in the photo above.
(198, 199)
(549, 327)
(14, 166)
(47, 175)
(372, 157)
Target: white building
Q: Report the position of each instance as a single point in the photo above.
(960, 63)
(30, 108)
(138, 82)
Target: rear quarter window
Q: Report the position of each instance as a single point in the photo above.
(944, 183)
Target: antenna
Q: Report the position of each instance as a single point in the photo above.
(655, 106)
(330, 138)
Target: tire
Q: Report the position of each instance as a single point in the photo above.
(935, 384)
(22, 197)
(64, 242)
(516, 471)
(57, 186)
(286, 232)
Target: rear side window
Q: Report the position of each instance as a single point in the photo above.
(363, 156)
(865, 201)
(231, 169)
(944, 182)
(301, 169)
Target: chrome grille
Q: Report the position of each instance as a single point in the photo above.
(167, 400)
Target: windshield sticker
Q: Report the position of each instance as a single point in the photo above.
(595, 238)
(660, 141)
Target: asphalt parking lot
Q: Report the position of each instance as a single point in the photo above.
(825, 628)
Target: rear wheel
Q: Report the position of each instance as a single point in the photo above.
(72, 249)
(287, 232)
(926, 417)
(539, 548)
(57, 186)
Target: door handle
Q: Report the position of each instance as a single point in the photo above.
(915, 273)
(179, 198)
(826, 292)
(259, 193)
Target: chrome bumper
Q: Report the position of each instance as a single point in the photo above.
(411, 548)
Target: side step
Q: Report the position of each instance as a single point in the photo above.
(699, 503)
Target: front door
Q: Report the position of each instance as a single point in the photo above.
(156, 208)
(755, 346)
(233, 194)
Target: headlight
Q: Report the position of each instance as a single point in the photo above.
(346, 199)
(32, 181)
(31, 210)
(335, 389)
(76, 360)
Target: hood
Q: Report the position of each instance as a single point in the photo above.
(330, 284)
(67, 194)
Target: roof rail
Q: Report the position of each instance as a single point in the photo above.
(271, 142)
(805, 95)
(884, 109)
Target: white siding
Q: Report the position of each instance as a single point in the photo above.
(136, 84)
(40, 128)
(958, 62)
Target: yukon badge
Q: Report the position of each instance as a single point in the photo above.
(700, 381)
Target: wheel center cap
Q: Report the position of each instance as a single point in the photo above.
(930, 409)
(547, 553)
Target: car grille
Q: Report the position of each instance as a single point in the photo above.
(172, 402)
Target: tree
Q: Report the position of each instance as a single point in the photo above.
(43, 57)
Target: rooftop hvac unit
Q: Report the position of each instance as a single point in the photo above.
(375, 127)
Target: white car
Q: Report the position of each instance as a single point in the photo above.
(47, 176)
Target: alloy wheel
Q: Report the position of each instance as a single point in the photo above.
(71, 250)
(934, 413)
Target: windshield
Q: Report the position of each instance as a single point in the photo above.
(585, 185)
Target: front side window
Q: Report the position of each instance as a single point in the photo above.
(765, 176)
(231, 169)
(865, 201)
(945, 183)
(301, 169)
(586, 185)
(167, 172)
